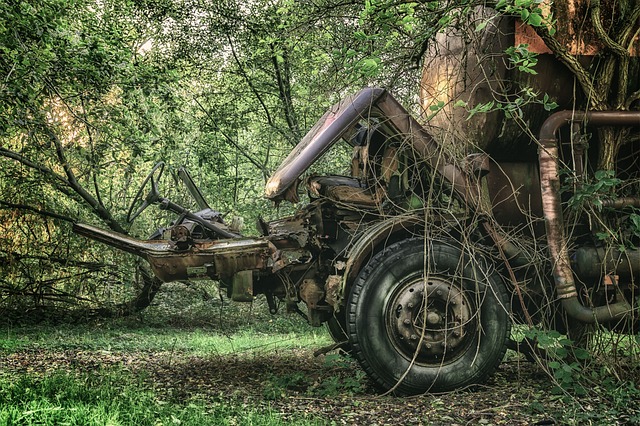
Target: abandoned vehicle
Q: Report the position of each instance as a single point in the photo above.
(419, 264)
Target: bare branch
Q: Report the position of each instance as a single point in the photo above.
(36, 211)
(27, 162)
(284, 90)
(99, 209)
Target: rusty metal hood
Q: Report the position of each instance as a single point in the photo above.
(340, 118)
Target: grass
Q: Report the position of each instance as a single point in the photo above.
(197, 341)
(113, 395)
(240, 367)
(111, 398)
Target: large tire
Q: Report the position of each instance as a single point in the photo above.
(457, 341)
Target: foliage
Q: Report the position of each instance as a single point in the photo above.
(593, 193)
(94, 94)
(577, 373)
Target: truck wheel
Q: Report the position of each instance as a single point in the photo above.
(428, 324)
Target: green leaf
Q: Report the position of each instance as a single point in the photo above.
(535, 19)
(481, 26)
(436, 107)
(580, 353)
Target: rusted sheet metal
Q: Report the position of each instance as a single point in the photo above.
(289, 232)
(120, 241)
(374, 235)
(212, 259)
(311, 292)
(242, 287)
(369, 103)
(514, 191)
(464, 65)
(576, 32)
(332, 289)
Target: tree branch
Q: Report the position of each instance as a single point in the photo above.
(626, 34)
(249, 82)
(8, 256)
(36, 211)
(596, 98)
(596, 20)
(284, 91)
(99, 209)
(25, 161)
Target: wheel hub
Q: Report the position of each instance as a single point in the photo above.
(431, 321)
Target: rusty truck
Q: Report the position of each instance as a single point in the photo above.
(419, 263)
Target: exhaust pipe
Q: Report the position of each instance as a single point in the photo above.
(554, 222)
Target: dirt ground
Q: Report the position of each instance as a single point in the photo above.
(330, 389)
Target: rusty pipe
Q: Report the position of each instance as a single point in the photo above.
(552, 209)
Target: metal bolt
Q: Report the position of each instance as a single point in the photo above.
(428, 345)
(414, 337)
(406, 322)
(439, 293)
(410, 305)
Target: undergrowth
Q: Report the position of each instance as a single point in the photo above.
(110, 398)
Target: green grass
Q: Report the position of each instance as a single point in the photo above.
(112, 398)
(237, 365)
(137, 338)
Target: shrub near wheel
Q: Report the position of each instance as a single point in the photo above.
(429, 324)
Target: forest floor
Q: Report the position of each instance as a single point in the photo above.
(270, 367)
(298, 385)
(328, 389)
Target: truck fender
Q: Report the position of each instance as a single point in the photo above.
(372, 239)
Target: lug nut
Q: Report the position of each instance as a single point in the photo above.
(414, 337)
(406, 322)
(410, 305)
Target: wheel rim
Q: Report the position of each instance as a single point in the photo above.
(430, 322)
